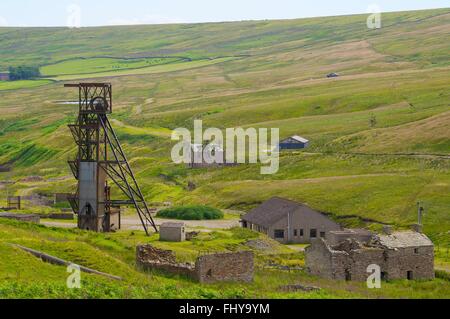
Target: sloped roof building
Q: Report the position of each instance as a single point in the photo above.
(288, 221)
(294, 142)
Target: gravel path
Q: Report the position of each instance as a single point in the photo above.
(133, 223)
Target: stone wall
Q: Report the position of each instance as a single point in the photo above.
(360, 259)
(151, 258)
(61, 197)
(60, 216)
(31, 218)
(225, 267)
(419, 262)
(207, 269)
(318, 259)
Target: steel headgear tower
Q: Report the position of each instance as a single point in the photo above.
(101, 158)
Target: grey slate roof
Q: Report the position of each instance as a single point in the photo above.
(272, 211)
(404, 240)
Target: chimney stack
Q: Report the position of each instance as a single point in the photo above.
(417, 228)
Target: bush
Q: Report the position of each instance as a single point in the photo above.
(191, 213)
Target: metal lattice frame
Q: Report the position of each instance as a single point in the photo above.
(97, 142)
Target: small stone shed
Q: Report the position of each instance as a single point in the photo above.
(346, 256)
(172, 231)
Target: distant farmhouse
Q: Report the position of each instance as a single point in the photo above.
(289, 222)
(346, 255)
(4, 76)
(294, 142)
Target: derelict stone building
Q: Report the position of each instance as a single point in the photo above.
(289, 222)
(347, 254)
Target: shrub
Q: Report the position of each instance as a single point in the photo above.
(191, 213)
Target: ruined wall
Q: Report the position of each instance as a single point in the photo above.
(360, 259)
(336, 237)
(318, 259)
(419, 262)
(151, 258)
(208, 268)
(347, 261)
(225, 267)
(30, 218)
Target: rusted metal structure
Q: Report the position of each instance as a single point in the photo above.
(101, 158)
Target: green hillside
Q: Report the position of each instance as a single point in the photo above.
(24, 276)
(380, 133)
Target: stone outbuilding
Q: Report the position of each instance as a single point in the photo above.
(172, 231)
(346, 255)
(289, 222)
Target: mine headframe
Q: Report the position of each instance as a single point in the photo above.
(101, 158)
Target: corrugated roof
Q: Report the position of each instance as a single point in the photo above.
(404, 240)
(273, 210)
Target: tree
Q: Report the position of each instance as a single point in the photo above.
(23, 72)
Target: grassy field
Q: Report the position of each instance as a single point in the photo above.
(98, 65)
(154, 69)
(23, 84)
(24, 276)
(380, 138)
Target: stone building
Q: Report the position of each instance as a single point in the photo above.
(175, 232)
(289, 222)
(346, 255)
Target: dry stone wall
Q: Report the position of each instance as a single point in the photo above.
(207, 269)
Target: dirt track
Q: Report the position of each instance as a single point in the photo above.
(133, 223)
